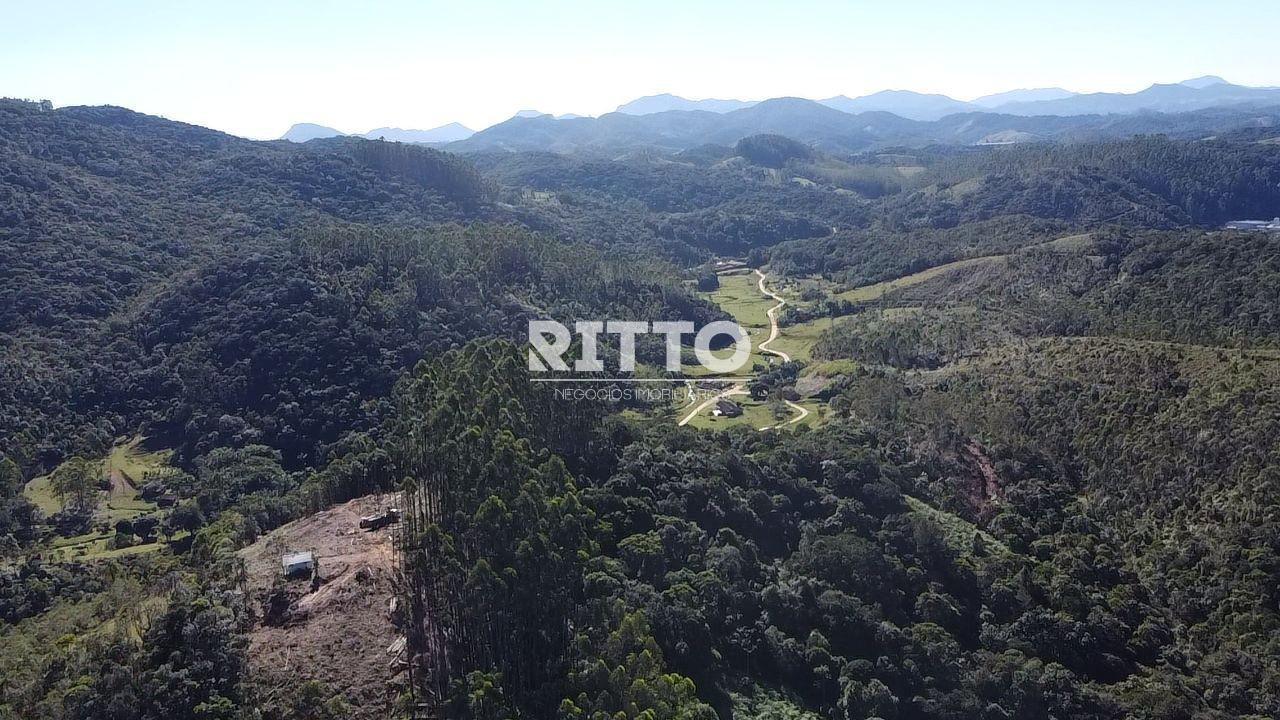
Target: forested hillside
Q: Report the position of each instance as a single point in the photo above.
(204, 285)
(858, 570)
(1036, 475)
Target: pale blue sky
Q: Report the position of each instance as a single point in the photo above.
(254, 68)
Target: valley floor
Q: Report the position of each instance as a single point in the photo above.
(757, 309)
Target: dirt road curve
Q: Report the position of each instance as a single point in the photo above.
(773, 319)
(738, 389)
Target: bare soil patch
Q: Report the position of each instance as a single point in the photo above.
(338, 633)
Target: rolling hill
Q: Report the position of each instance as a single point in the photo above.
(1043, 484)
(1014, 96)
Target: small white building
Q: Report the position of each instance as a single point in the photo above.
(298, 564)
(1254, 224)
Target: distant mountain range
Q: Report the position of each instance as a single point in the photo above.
(903, 116)
(445, 133)
(302, 132)
(1196, 94)
(829, 129)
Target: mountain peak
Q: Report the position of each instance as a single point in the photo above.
(665, 102)
(1203, 82)
(302, 132)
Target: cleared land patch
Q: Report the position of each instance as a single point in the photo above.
(740, 294)
(869, 293)
(339, 633)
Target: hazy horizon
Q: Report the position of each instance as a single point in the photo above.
(254, 70)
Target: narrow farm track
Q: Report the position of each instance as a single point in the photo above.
(774, 331)
(772, 312)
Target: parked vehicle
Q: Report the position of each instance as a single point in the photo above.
(387, 517)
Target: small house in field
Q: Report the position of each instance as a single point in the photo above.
(727, 408)
(298, 564)
(1263, 225)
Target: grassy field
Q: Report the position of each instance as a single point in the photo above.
(817, 414)
(798, 340)
(739, 295)
(127, 464)
(755, 414)
(126, 508)
(758, 415)
(870, 293)
(831, 368)
(135, 462)
(94, 546)
(39, 492)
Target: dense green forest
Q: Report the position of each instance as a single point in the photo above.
(1044, 481)
(814, 564)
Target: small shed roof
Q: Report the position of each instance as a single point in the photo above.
(297, 558)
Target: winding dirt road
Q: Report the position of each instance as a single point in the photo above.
(741, 388)
(774, 331)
